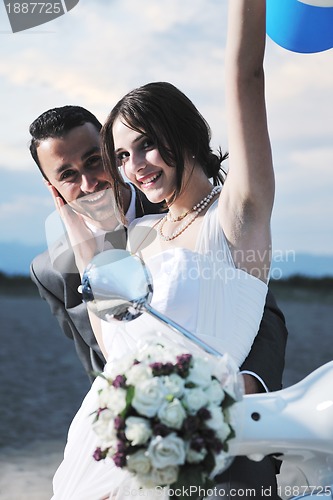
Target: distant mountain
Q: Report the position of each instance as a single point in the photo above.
(315, 266)
(15, 259)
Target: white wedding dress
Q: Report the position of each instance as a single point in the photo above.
(201, 290)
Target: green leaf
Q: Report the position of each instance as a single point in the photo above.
(191, 481)
(130, 394)
(228, 400)
(190, 385)
(129, 398)
(102, 375)
(209, 462)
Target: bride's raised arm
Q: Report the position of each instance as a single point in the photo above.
(247, 198)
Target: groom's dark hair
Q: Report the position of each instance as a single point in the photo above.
(56, 123)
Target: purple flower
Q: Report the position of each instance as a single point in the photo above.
(216, 445)
(121, 436)
(119, 459)
(160, 369)
(204, 414)
(183, 364)
(191, 424)
(121, 447)
(119, 423)
(99, 454)
(212, 442)
(197, 443)
(156, 367)
(208, 434)
(119, 381)
(161, 430)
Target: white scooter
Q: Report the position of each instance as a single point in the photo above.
(294, 424)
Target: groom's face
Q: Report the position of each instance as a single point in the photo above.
(73, 165)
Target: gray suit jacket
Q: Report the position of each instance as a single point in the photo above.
(60, 290)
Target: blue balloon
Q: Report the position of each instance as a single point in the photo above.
(300, 27)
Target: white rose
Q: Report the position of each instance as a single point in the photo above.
(104, 428)
(151, 353)
(137, 430)
(222, 462)
(217, 423)
(174, 384)
(158, 348)
(169, 450)
(148, 339)
(137, 373)
(103, 387)
(139, 462)
(194, 399)
(200, 372)
(193, 456)
(116, 400)
(118, 366)
(215, 393)
(172, 414)
(148, 396)
(165, 476)
(103, 395)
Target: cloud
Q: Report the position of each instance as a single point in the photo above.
(317, 162)
(24, 218)
(12, 152)
(100, 50)
(303, 212)
(304, 186)
(23, 205)
(299, 92)
(113, 42)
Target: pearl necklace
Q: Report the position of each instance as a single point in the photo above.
(194, 211)
(179, 217)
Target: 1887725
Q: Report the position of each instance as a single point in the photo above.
(297, 491)
(34, 8)
(27, 14)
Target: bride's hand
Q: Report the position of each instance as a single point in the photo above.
(81, 238)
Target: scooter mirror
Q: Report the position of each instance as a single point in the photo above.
(117, 285)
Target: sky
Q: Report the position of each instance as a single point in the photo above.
(101, 49)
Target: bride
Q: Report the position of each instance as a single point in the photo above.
(209, 256)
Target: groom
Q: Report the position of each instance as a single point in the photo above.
(65, 145)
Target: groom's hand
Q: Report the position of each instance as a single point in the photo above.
(252, 385)
(81, 238)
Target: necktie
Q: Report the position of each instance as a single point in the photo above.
(115, 239)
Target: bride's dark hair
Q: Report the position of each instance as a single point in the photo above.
(168, 118)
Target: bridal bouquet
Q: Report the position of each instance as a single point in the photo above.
(164, 415)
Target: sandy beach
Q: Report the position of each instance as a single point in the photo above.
(42, 384)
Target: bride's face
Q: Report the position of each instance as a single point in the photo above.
(142, 163)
